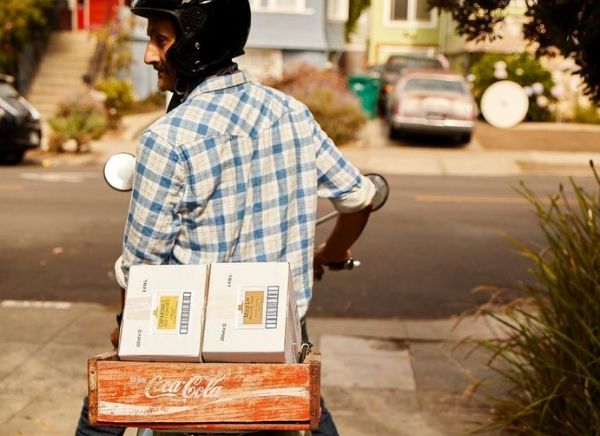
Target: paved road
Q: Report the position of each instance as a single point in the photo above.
(436, 239)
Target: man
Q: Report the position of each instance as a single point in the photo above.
(232, 172)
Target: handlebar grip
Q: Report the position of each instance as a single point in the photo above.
(345, 264)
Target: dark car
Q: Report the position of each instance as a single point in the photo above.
(20, 126)
(397, 64)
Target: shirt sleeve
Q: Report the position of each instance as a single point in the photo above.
(153, 221)
(338, 179)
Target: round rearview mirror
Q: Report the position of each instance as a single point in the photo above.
(382, 190)
(118, 171)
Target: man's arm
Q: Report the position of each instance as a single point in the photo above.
(350, 193)
(348, 228)
(153, 220)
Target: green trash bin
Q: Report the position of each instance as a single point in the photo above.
(366, 88)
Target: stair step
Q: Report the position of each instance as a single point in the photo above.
(71, 51)
(69, 70)
(45, 88)
(71, 38)
(69, 56)
(57, 97)
(54, 75)
(65, 61)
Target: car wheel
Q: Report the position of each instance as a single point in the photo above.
(394, 133)
(13, 158)
(464, 138)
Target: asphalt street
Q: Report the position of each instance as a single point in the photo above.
(436, 240)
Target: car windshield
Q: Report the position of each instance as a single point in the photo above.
(399, 63)
(438, 85)
(7, 91)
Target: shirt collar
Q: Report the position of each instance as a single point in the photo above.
(217, 83)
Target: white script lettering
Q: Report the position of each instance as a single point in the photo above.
(197, 386)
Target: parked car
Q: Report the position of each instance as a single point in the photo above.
(432, 102)
(397, 64)
(20, 126)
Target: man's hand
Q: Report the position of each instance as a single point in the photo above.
(116, 332)
(323, 258)
(114, 337)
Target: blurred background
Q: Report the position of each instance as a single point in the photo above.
(343, 58)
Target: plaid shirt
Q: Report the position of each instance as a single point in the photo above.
(232, 175)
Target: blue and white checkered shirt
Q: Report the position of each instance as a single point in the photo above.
(232, 175)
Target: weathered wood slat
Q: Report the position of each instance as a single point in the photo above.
(232, 396)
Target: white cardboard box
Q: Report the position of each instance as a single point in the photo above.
(251, 314)
(164, 313)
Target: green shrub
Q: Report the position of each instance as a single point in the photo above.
(586, 114)
(551, 360)
(80, 119)
(21, 22)
(326, 95)
(153, 102)
(114, 42)
(120, 94)
(523, 69)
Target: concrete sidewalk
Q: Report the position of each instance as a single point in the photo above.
(380, 377)
(530, 148)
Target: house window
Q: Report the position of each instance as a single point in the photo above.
(411, 12)
(279, 6)
(337, 10)
(399, 10)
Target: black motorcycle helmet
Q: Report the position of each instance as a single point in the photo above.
(210, 33)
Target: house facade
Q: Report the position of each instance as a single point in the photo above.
(283, 33)
(402, 26)
(87, 14)
(287, 32)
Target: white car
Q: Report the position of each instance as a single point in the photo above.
(432, 103)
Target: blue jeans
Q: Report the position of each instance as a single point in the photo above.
(326, 425)
(84, 428)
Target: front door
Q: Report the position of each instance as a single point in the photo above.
(102, 12)
(80, 15)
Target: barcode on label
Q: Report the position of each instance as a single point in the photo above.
(185, 313)
(272, 305)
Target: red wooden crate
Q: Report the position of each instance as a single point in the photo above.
(209, 396)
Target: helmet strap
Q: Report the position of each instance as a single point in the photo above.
(185, 85)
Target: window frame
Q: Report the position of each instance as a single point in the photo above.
(411, 21)
(338, 10)
(272, 7)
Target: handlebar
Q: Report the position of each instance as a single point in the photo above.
(347, 264)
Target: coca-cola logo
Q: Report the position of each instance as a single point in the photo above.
(196, 386)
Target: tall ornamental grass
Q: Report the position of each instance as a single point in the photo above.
(551, 359)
